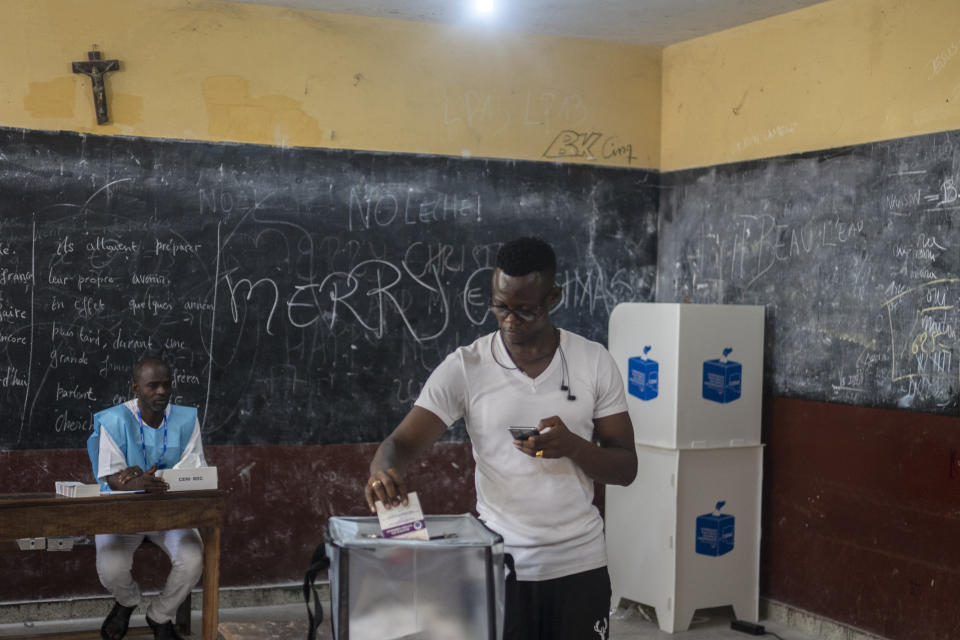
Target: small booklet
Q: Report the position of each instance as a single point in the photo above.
(73, 489)
(403, 522)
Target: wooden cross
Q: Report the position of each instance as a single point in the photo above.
(95, 68)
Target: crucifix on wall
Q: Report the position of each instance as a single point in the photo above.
(94, 67)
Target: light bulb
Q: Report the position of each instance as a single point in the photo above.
(483, 7)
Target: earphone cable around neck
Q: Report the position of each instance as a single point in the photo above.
(565, 379)
(493, 353)
(515, 366)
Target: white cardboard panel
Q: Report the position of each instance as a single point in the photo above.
(706, 332)
(682, 338)
(731, 577)
(653, 531)
(634, 326)
(640, 528)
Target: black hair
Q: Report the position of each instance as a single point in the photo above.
(148, 360)
(526, 255)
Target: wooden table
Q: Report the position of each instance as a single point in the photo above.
(32, 515)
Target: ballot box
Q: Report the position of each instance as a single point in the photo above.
(693, 373)
(685, 535)
(451, 586)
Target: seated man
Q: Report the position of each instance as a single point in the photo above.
(129, 443)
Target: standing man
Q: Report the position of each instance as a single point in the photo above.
(537, 493)
(129, 443)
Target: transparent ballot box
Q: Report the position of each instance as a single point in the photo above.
(451, 586)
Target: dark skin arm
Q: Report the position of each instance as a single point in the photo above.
(135, 479)
(415, 433)
(613, 462)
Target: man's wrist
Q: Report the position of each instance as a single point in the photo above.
(581, 449)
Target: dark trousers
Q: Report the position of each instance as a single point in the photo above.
(574, 607)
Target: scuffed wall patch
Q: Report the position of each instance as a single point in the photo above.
(234, 114)
(53, 99)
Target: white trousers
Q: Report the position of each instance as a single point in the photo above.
(115, 560)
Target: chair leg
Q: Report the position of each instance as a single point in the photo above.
(182, 621)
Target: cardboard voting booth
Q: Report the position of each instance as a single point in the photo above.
(694, 372)
(686, 534)
(450, 586)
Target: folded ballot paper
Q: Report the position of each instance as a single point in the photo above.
(403, 522)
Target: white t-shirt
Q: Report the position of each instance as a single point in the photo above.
(542, 507)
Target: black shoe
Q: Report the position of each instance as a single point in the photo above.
(115, 625)
(163, 630)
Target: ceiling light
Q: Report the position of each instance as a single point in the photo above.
(483, 7)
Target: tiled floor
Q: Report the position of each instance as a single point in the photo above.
(286, 622)
(708, 624)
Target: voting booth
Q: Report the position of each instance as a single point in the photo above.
(685, 534)
(450, 586)
(694, 372)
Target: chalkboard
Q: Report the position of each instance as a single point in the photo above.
(303, 295)
(855, 253)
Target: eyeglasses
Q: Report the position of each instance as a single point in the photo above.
(524, 314)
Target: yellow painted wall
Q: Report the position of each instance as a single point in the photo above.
(218, 71)
(838, 73)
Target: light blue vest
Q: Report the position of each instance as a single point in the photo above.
(124, 428)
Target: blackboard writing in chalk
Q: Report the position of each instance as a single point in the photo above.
(855, 253)
(303, 295)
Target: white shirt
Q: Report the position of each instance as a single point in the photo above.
(112, 459)
(542, 507)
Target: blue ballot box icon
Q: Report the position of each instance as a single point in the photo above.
(721, 378)
(643, 376)
(715, 532)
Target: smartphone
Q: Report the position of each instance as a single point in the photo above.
(522, 433)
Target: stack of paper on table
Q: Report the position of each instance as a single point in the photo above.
(73, 489)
